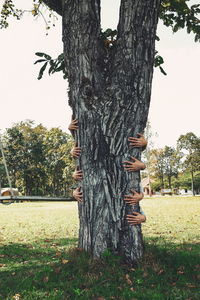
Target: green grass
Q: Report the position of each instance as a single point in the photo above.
(38, 259)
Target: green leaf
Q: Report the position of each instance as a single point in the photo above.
(42, 71)
(39, 54)
(47, 56)
(39, 60)
(162, 70)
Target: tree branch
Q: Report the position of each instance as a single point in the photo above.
(81, 32)
(134, 56)
(55, 5)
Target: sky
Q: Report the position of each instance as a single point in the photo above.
(175, 104)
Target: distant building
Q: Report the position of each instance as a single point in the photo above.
(7, 192)
(145, 183)
(185, 192)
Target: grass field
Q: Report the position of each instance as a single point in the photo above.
(38, 259)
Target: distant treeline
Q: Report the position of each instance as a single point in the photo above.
(38, 160)
(40, 163)
(175, 167)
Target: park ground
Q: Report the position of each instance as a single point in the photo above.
(39, 258)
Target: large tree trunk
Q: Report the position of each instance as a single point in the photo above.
(109, 92)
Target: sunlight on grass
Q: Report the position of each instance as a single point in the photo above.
(38, 260)
(28, 222)
(176, 219)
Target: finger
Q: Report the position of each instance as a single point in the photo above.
(130, 216)
(129, 170)
(140, 134)
(130, 202)
(133, 191)
(135, 143)
(74, 127)
(134, 139)
(132, 221)
(133, 158)
(77, 152)
(127, 162)
(135, 213)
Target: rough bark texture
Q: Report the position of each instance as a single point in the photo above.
(109, 92)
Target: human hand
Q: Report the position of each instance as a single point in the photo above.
(73, 125)
(134, 198)
(75, 152)
(77, 175)
(140, 141)
(135, 219)
(78, 195)
(134, 166)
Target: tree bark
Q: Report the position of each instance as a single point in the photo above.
(109, 92)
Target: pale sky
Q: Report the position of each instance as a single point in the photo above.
(175, 105)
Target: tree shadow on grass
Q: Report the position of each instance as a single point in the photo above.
(50, 270)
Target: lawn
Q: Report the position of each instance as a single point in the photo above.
(38, 258)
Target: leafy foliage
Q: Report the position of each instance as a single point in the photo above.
(55, 65)
(178, 15)
(9, 10)
(38, 159)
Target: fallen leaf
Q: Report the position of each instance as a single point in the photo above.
(189, 248)
(128, 280)
(190, 285)
(58, 253)
(57, 270)
(145, 274)
(2, 265)
(198, 276)
(64, 261)
(181, 272)
(101, 298)
(160, 272)
(17, 297)
(173, 283)
(46, 279)
(79, 249)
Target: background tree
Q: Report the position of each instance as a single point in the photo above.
(146, 154)
(59, 163)
(190, 143)
(109, 93)
(38, 160)
(157, 165)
